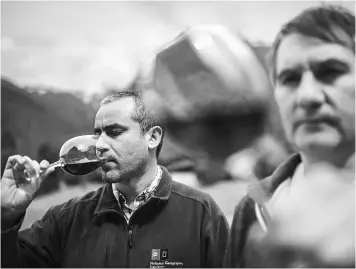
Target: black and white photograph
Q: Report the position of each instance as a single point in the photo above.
(178, 134)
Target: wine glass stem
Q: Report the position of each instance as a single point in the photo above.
(30, 172)
(58, 163)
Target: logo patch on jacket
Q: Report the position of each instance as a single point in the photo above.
(159, 259)
(156, 253)
(159, 254)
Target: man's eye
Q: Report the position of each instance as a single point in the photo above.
(291, 79)
(114, 133)
(328, 75)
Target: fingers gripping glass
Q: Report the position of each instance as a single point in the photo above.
(77, 157)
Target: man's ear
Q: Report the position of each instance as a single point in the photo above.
(154, 137)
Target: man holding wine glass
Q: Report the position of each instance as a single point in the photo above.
(140, 218)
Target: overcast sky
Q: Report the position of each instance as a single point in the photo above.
(87, 45)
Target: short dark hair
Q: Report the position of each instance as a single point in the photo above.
(141, 114)
(319, 22)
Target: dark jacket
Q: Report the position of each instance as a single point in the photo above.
(245, 225)
(177, 227)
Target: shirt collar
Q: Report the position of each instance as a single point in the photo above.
(144, 195)
(107, 202)
(262, 191)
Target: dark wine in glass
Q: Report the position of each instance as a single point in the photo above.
(77, 157)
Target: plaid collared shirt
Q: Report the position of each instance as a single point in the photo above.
(140, 199)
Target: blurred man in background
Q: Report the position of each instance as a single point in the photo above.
(304, 213)
(140, 218)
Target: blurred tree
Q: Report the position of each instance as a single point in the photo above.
(8, 148)
(52, 183)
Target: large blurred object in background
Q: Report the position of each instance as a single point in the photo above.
(213, 95)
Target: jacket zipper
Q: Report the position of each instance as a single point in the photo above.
(129, 240)
(129, 243)
(263, 216)
(260, 218)
(130, 237)
(130, 232)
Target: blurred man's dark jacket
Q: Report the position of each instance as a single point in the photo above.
(249, 246)
(245, 228)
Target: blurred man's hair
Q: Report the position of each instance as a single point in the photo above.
(322, 22)
(142, 113)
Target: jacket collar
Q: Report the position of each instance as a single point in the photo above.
(108, 203)
(262, 191)
(164, 188)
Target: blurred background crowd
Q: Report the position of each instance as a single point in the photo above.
(209, 86)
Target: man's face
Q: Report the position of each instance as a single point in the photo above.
(120, 140)
(315, 93)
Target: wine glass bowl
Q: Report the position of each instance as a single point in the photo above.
(77, 156)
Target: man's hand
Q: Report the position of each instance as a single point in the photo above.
(16, 191)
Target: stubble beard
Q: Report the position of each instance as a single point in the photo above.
(126, 172)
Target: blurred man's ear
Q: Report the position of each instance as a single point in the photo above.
(154, 137)
(270, 68)
(272, 79)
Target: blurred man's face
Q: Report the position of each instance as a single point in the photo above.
(121, 141)
(315, 92)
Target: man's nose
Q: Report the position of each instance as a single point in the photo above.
(310, 94)
(101, 146)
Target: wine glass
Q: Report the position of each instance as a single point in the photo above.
(76, 157)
